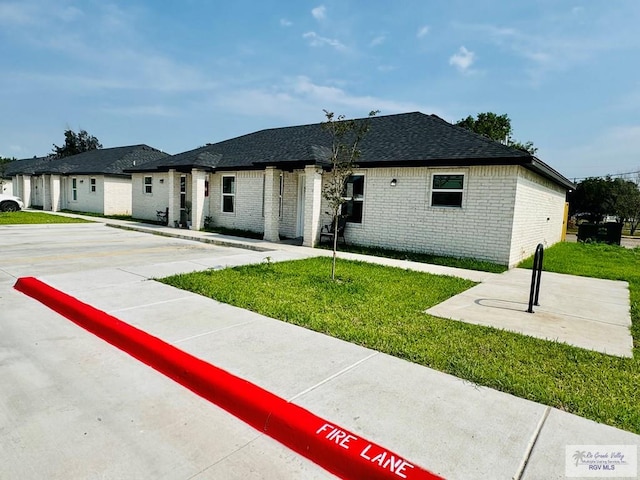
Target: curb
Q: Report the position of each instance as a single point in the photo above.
(335, 449)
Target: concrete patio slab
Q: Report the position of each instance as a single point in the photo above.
(585, 312)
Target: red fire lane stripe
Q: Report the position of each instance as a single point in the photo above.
(335, 449)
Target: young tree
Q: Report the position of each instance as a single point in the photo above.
(346, 136)
(75, 143)
(496, 127)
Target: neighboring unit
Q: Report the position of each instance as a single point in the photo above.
(421, 185)
(92, 181)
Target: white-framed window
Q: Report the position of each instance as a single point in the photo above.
(229, 193)
(354, 196)
(74, 189)
(148, 184)
(92, 185)
(447, 189)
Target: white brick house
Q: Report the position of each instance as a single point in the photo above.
(92, 181)
(421, 185)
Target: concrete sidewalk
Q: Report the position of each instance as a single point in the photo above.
(79, 408)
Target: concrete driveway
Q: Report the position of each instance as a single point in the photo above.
(73, 406)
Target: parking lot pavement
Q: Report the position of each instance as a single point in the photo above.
(76, 407)
(73, 406)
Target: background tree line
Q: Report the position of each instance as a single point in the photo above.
(595, 198)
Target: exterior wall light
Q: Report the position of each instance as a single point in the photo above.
(394, 182)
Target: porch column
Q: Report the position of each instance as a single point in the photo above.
(25, 189)
(54, 189)
(272, 204)
(172, 201)
(198, 178)
(46, 192)
(312, 204)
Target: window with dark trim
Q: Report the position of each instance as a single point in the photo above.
(228, 193)
(446, 190)
(92, 185)
(354, 196)
(74, 189)
(148, 184)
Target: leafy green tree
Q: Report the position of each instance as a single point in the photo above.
(496, 127)
(592, 199)
(596, 197)
(626, 202)
(346, 136)
(75, 143)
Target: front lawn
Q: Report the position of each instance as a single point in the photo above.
(383, 308)
(25, 218)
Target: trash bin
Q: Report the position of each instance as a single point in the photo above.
(610, 232)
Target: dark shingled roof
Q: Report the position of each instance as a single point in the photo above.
(408, 139)
(103, 161)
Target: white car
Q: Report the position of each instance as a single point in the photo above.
(9, 203)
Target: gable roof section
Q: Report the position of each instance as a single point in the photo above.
(408, 139)
(26, 166)
(102, 161)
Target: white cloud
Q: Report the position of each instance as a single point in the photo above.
(379, 40)
(463, 59)
(423, 31)
(316, 40)
(300, 100)
(319, 13)
(285, 23)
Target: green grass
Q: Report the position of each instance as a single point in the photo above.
(383, 308)
(25, 218)
(93, 214)
(467, 263)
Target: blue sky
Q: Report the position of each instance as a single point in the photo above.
(179, 74)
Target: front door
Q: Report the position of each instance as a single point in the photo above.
(301, 195)
(183, 200)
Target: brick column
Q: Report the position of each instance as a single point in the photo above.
(54, 189)
(313, 203)
(198, 178)
(25, 189)
(272, 204)
(173, 201)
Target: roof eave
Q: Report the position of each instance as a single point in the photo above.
(546, 171)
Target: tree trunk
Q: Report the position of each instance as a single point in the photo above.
(335, 246)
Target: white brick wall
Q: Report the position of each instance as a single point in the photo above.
(6, 186)
(248, 201)
(117, 195)
(146, 205)
(538, 216)
(87, 201)
(402, 218)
